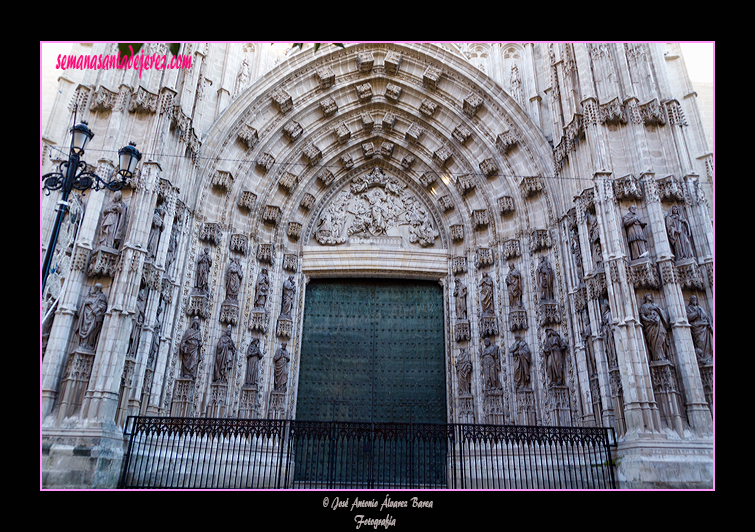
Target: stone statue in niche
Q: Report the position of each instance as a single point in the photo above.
(487, 295)
(136, 329)
(233, 277)
(460, 293)
(514, 284)
(464, 371)
(655, 326)
(594, 232)
(606, 325)
(289, 294)
(172, 247)
(253, 357)
(545, 279)
(204, 264)
(188, 350)
(262, 289)
(589, 351)
(280, 376)
(554, 349)
(91, 316)
(225, 354)
(635, 234)
(114, 218)
(522, 356)
(577, 252)
(702, 331)
(489, 359)
(154, 233)
(155, 344)
(679, 234)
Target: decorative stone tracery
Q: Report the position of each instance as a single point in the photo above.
(376, 205)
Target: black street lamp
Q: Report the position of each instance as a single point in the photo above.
(71, 175)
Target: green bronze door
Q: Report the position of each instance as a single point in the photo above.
(373, 351)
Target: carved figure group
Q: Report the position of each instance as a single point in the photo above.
(375, 205)
(330, 226)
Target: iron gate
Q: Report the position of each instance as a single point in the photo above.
(202, 453)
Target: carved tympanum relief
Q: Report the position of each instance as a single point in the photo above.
(376, 205)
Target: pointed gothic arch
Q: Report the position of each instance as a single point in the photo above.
(452, 132)
(455, 143)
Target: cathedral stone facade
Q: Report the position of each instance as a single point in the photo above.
(558, 194)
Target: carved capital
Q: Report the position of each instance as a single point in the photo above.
(282, 100)
(292, 131)
(266, 253)
(247, 200)
(210, 232)
(272, 214)
(431, 77)
(222, 180)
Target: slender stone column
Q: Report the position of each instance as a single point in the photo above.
(698, 413)
(101, 400)
(640, 409)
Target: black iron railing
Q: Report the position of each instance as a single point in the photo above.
(180, 453)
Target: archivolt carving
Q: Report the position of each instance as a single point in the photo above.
(376, 205)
